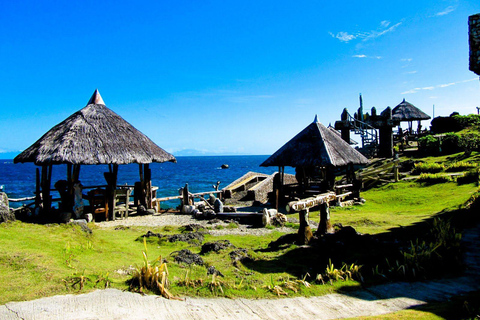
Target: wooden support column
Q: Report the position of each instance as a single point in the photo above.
(324, 226)
(148, 185)
(45, 186)
(386, 142)
(304, 231)
(38, 197)
(141, 195)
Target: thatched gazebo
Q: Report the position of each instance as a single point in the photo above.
(90, 136)
(315, 147)
(407, 112)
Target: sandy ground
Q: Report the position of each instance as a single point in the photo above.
(388, 298)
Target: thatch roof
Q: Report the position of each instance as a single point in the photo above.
(338, 133)
(94, 135)
(406, 111)
(316, 145)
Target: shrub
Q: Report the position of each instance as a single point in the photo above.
(470, 142)
(433, 178)
(467, 121)
(151, 276)
(428, 145)
(450, 143)
(460, 166)
(422, 167)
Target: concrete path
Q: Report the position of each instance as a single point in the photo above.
(115, 304)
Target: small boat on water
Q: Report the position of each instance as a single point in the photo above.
(225, 166)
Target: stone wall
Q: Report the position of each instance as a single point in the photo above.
(474, 41)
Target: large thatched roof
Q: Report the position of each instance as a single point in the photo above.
(316, 145)
(406, 111)
(94, 135)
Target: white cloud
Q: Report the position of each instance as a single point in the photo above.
(365, 56)
(438, 86)
(343, 36)
(383, 29)
(376, 34)
(411, 72)
(406, 59)
(446, 11)
(446, 85)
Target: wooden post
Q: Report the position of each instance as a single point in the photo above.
(112, 186)
(186, 197)
(38, 198)
(148, 186)
(304, 231)
(324, 226)
(141, 196)
(45, 183)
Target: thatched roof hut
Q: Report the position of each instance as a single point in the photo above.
(406, 111)
(315, 146)
(94, 135)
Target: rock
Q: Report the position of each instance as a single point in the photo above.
(188, 257)
(190, 237)
(240, 255)
(83, 224)
(215, 246)
(192, 227)
(213, 271)
(218, 206)
(5, 213)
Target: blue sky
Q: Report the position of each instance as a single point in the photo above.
(229, 77)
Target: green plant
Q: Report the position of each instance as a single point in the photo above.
(232, 225)
(450, 143)
(429, 145)
(151, 276)
(470, 142)
(433, 178)
(77, 280)
(422, 167)
(460, 166)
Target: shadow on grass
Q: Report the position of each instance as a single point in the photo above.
(373, 250)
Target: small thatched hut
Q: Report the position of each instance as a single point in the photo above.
(407, 112)
(93, 135)
(315, 150)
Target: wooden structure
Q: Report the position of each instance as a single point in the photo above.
(407, 112)
(366, 125)
(316, 149)
(474, 42)
(314, 153)
(90, 136)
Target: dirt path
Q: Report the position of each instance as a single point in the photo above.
(115, 304)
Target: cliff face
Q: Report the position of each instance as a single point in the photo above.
(474, 41)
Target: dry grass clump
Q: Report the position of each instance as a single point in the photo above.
(151, 276)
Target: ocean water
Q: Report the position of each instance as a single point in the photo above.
(18, 180)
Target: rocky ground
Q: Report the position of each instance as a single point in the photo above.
(173, 219)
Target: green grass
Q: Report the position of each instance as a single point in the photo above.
(400, 204)
(44, 260)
